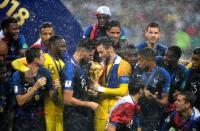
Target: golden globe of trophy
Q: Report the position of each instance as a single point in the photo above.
(95, 71)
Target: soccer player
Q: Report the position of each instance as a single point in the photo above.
(186, 117)
(157, 81)
(112, 84)
(178, 72)
(46, 31)
(53, 111)
(114, 32)
(193, 82)
(16, 42)
(29, 114)
(125, 111)
(78, 114)
(152, 35)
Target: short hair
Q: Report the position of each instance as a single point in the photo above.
(106, 42)
(113, 23)
(32, 53)
(45, 25)
(86, 44)
(130, 49)
(190, 97)
(135, 85)
(6, 22)
(196, 51)
(176, 51)
(153, 24)
(53, 40)
(148, 53)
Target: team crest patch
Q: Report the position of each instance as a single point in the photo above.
(68, 83)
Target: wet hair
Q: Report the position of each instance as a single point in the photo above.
(148, 53)
(6, 22)
(196, 51)
(86, 44)
(153, 24)
(45, 25)
(135, 85)
(106, 42)
(176, 50)
(113, 23)
(32, 53)
(189, 97)
(130, 49)
(53, 40)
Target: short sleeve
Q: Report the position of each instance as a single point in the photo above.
(68, 76)
(16, 83)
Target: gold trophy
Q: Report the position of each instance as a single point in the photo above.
(94, 74)
(95, 71)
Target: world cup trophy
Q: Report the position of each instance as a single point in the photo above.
(95, 73)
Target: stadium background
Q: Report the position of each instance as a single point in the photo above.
(179, 19)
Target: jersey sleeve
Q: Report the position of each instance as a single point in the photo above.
(87, 31)
(122, 114)
(16, 83)
(166, 82)
(68, 76)
(22, 42)
(124, 73)
(183, 79)
(20, 64)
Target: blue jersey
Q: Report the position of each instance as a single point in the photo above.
(176, 122)
(160, 48)
(157, 82)
(193, 84)
(178, 74)
(21, 86)
(75, 79)
(14, 47)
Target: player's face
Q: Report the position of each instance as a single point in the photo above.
(103, 53)
(195, 61)
(142, 62)
(12, 32)
(180, 103)
(170, 60)
(131, 58)
(103, 19)
(152, 34)
(89, 55)
(46, 33)
(41, 59)
(61, 48)
(114, 34)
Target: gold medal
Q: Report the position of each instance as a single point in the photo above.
(37, 97)
(1, 109)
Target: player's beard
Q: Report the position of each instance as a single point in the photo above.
(83, 62)
(107, 59)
